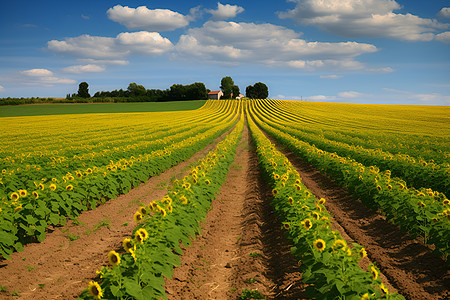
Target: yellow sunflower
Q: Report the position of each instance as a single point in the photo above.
(207, 181)
(143, 233)
(184, 200)
(274, 192)
(127, 244)
(95, 290)
(290, 200)
(23, 193)
(69, 187)
(365, 296)
(307, 224)
(114, 258)
(286, 226)
(374, 272)
(137, 217)
(362, 253)
(35, 194)
(322, 201)
(52, 186)
(14, 196)
(319, 244)
(340, 244)
(41, 186)
(142, 210)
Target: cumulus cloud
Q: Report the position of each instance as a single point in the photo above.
(444, 13)
(112, 49)
(42, 77)
(363, 18)
(224, 12)
(321, 98)
(248, 42)
(78, 69)
(104, 62)
(148, 19)
(444, 37)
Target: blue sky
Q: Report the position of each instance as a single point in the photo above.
(361, 51)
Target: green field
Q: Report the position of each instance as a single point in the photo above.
(94, 108)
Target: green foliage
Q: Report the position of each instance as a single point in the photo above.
(257, 91)
(83, 90)
(250, 294)
(227, 85)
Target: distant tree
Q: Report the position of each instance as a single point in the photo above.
(257, 91)
(177, 92)
(236, 91)
(226, 85)
(249, 92)
(196, 91)
(261, 90)
(136, 90)
(83, 90)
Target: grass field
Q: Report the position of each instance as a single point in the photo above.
(93, 108)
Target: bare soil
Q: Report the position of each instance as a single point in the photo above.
(62, 265)
(409, 266)
(242, 244)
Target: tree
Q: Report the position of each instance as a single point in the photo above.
(236, 91)
(136, 90)
(257, 91)
(226, 85)
(196, 91)
(83, 90)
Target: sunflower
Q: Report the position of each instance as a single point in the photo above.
(70, 177)
(319, 245)
(41, 186)
(127, 244)
(374, 272)
(184, 200)
(95, 290)
(378, 187)
(35, 194)
(298, 187)
(365, 296)
(23, 193)
(316, 216)
(18, 208)
(322, 201)
(163, 212)
(89, 171)
(290, 200)
(207, 181)
(54, 180)
(142, 210)
(421, 204)
(276, 176)
(138, 237)
(384, 289)
(133, 252)
(14, 196)
(286, 226)
(169, 208)
(297, 181)
(52, 186)
(69, 187)
(362, 253)
(137, 217)
(446, 202)
(340, 244)
(114, 258)
(143, 233)
(389, 187)
(274, 192)
(307, 224)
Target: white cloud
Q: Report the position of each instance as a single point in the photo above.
(2, 89)
(423, 97)
(37, 72)
(321, 98)
(256, 43)
(224, 12)
(444, 37)
(148, 19)
(363, 18)
(350, 94)
(104, 62)
(333, 76)
(112, 49)
(381, 70)
(85, 17)
(78, 69)
(444, 13)
(42, 77)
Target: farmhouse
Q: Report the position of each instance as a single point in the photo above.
(215, 95)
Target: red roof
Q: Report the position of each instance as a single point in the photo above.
(213, 92)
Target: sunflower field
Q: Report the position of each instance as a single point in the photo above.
(395, 160)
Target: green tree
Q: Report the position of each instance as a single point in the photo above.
(261, 90)
(136, 90)
(236, 91)
(249, 92)
(196, 91)
(83, 90)
(226, 85)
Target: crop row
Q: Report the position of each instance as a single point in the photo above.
(26, 214)
(421, 212)
(327, 263)
(417, 173)
(151, 253)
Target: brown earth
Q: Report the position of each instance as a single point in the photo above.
(242, 244)
(409, 266)
(62, 265)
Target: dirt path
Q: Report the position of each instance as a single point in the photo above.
(242, 244)
(61, 266)
(409, 265)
